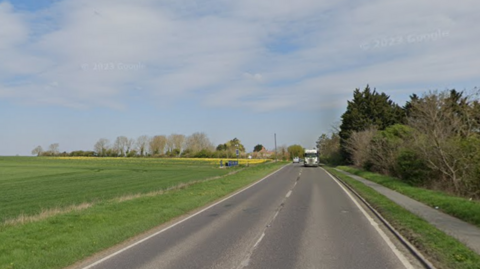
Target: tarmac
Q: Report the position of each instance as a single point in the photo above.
(464, 232)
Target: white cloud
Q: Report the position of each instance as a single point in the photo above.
(246, 54)
(14, 37)
(16, 32)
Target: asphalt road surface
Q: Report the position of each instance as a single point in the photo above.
(296, 218)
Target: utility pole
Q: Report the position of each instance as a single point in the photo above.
(275, 138)
(237, 152)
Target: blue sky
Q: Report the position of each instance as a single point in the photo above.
(75, 71)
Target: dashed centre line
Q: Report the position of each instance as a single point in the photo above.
(245, 262)
(289, 193)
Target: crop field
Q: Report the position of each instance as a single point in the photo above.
(58, 211)
(30, 185)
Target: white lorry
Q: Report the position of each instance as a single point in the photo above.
(310, 158)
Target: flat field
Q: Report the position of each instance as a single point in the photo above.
(121, 198)
(32, 185)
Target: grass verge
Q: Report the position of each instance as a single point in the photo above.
(442, 250)
(462, 208)
(62, 240)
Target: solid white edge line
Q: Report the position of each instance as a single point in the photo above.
(375, 225)
(179, 222)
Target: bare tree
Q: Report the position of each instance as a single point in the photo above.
(442, 130)
(129, 146)
(383, 156)
(142, 144)
(176, 142)
(101, 147)
(37, 151)
(120, 145)
(157, 144)
(358, 145)
(197, 142)
(170, 145)
(54, 149)
(282, 152)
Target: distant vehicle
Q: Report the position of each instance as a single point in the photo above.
(311, 158)
(296, 160)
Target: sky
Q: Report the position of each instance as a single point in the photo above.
(75, 71)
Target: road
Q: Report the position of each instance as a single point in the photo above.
(296, 218)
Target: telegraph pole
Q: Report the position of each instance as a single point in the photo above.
(275, 138)
(237, 152)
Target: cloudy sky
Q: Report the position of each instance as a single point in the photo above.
(75, 71)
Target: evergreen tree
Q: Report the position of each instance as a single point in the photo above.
(258, 148)
(221, 147)
(409, 105)
(368, 109)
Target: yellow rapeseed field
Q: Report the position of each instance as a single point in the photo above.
(217, 160)
(209, 160)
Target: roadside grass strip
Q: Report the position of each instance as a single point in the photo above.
(63, 239)
(46, 213)
(461, 208)
(439, 248)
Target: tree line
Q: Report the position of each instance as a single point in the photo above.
(432, 141)
(196, 145)
(174, 145)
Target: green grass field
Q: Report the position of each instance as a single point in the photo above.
(29, 185)
(56, 241)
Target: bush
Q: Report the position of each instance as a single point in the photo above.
(385, 147)
(204, 153)
(412, 169)
(329, 149)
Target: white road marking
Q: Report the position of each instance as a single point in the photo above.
(179, 222)
(259, 240)
(387, 240)
(245, 262)
(275, 216)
